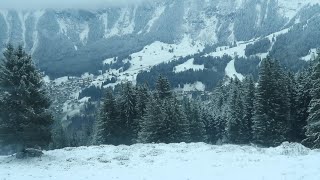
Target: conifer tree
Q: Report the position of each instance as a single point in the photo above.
(142, 98)
(313, 121)
(271, 105)
(176, 125)
(220, 110)
(163, 88)
(108, 128)
(235, 115)
(197, 127)
(24, 115)
(209, 124)
(248, 108)
(294, 127)
(128, 113)
(152, 122)
(164, 120)
(304, 85)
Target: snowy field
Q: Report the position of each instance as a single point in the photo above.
(197, 161)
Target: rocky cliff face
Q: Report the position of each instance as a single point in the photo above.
(71, 42)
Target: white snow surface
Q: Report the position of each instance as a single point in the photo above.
(231, 71)
(187, 66)
(158, 12)
(289, 8)
(151, 55)
(311, 55)
(196, 161)
(197, 86)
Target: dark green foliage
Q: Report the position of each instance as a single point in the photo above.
(236, 126)
(248, 66)
(210, 76)
(196, 122)
(95, 93)
(165, 120)
(261, 46)
(108, 128)
(163, 89)
(248, 108)
(24, 119)
(126, 105)
(313, 121)
(304, 85)
(271, 105)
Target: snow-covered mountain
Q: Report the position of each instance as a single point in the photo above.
(168, 161)
(117, 44)
(71, 42)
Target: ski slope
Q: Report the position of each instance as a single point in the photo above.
(196, 161)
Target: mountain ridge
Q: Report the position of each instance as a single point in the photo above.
(84, 38)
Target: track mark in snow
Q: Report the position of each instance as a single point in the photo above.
(231, 71)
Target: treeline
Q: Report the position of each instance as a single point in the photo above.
(269, 112)
(280, 107)
(25, 119)
(137, 114)
(213, 72)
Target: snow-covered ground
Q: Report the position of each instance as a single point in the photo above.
(197, 161)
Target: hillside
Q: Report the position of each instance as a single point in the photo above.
(168, 161)
(82, 39)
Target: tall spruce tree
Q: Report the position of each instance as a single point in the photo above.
(152, 122)
(194, 117)
(248, 108)
(304, 85)
(176, 125)
(294, 126)
(128, 113)
(163, 88)
(108, 126)
(25, 118)
(271, 105)
(164, 120)
(220, 110)
(142, 95)
(209, 124)
(235, 115)
(313, 121)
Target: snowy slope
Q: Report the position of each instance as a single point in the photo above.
(187, 66)
(196, 161)
(149, 56)
(231, 71)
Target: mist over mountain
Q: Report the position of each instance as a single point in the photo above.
(75, 41)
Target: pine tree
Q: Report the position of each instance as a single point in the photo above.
(197, 127)
(209, 125)
(235, 115)
(271, 105)
(220, 110)
(164, 120)
(313, 121)
(294, 127)
(163, 89)
(128, 113)
(176, 125)
(25, 118)
(248, 108)
(108, 127)
(152, 122)
(304, 85)
(143, 96)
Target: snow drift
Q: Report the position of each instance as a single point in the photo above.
(168, 161)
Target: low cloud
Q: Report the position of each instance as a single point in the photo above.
(62, 4)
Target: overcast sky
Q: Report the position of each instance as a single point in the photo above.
(36, 4)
